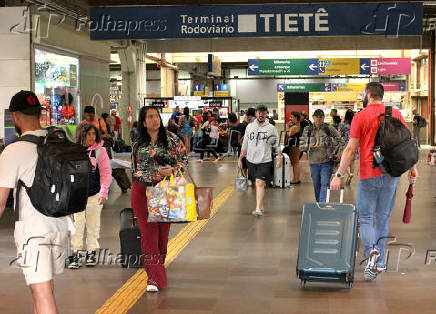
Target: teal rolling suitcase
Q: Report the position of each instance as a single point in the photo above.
(328, 242)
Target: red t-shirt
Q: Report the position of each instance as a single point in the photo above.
(364, 127)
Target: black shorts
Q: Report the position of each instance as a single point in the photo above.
(260, 171)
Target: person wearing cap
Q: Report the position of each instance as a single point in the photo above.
(259, 140)
(322, 144)
(33, 230)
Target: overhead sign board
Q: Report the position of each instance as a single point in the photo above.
(200, 90)
(272, 67)
(338, 66)
(221, 90)
(300, 87)
(220, 21)
(330, 66)
(334, 87)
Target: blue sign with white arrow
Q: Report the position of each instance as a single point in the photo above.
(365, 65)
(253, 67)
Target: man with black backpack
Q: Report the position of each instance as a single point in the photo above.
(386, 150)
(41, 204)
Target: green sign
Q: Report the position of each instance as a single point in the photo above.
(282, 66)
(300, 87)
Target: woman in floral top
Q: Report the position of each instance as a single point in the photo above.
(156, 154)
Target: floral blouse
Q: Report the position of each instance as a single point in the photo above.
(148, 158)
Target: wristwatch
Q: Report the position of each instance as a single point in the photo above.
(338, 175)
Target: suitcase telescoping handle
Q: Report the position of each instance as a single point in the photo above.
(341, 197)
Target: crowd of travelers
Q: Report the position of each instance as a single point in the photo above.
(159, 151)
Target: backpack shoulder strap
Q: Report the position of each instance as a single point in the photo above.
(388, 111)
(97, 154)
(31, 139)
(326, 129)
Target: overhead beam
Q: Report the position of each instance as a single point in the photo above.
(290, 44)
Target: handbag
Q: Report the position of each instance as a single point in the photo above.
(171, 202)
(241, 182)
(203, 197)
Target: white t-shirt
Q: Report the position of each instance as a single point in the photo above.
(18, 161)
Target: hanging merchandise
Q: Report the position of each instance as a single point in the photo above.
(55, 77)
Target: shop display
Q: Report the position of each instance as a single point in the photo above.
(55, 77)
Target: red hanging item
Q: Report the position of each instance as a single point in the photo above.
(68, 112)
(407, 215)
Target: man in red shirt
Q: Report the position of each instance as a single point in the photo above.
(376, 191)
(117, 124)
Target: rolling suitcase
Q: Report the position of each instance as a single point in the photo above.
(282, 175)
(130, 239)
(328, 240)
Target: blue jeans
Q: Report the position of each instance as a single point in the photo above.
(375, 196)
(321, 174)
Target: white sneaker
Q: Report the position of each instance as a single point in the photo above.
(152, 288)
(257, 213)
(370, 273)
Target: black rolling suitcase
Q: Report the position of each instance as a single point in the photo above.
(328, 242)
(130, 239)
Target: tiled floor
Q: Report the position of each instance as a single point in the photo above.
(242, 264)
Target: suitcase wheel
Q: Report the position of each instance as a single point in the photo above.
(303, 283)
(350, 284)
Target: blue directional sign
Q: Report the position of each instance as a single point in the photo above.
(281, 87)
(253, 67)
(312, 66)
(365, 65)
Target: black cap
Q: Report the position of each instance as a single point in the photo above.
(25, 102)
(261, 108)
(318, 113)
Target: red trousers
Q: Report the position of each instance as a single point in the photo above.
(154, 238)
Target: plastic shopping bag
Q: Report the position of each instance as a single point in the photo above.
(171, 202)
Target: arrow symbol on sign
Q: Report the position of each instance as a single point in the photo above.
(253, 67)
(312, 67)
(281, 87)
(364, 66)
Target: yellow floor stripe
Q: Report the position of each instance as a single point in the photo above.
(126, 297)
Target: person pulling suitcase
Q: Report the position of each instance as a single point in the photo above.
(385, 153)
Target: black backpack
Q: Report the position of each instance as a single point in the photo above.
(398, 149)
(61, 183)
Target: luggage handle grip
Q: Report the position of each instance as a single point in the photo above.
(341, 197)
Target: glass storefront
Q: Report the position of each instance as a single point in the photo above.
(57, 87)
